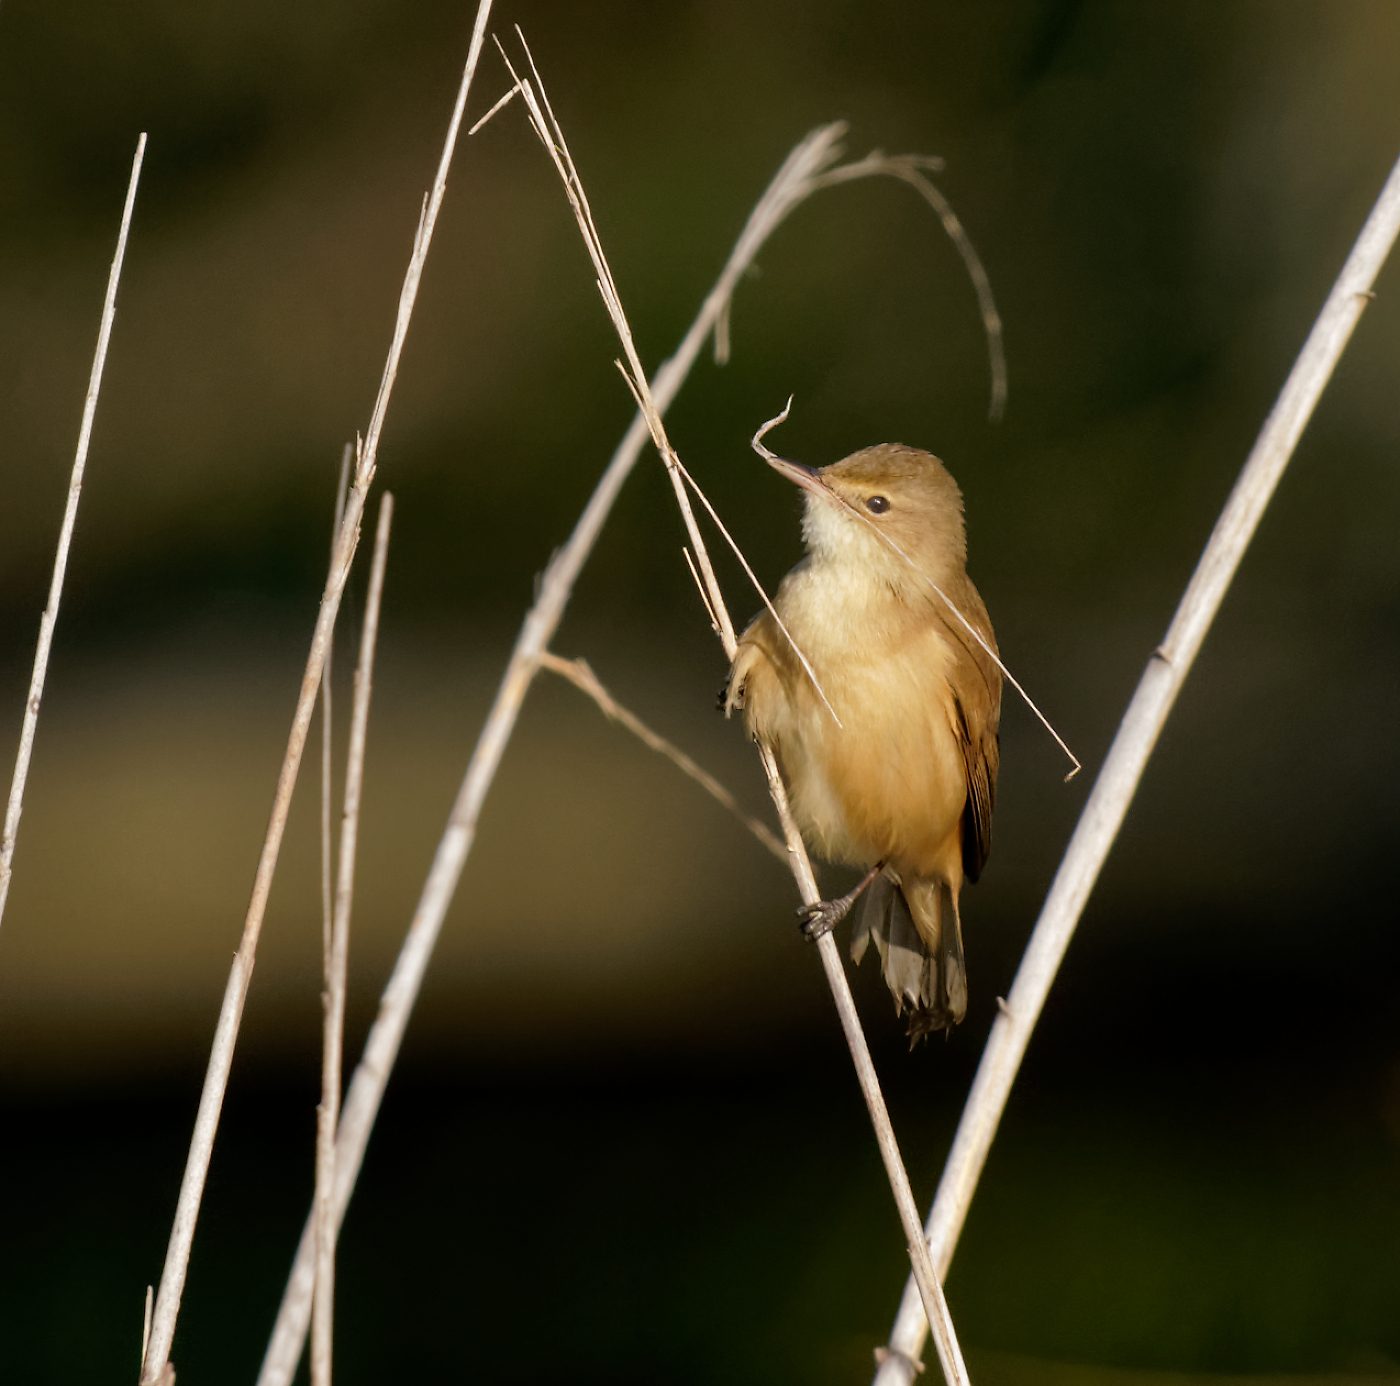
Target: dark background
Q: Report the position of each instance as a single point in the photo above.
(624, 1143)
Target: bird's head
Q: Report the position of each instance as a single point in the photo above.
(885, 507)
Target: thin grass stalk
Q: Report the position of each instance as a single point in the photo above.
(1127, 758)
(579, 673)
(337, 962)
(913, 169)
(321, 1334)
(327, 728)
(29, 726)
(236, 990)
(327, 790)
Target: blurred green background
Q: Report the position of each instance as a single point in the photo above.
(625, 1144)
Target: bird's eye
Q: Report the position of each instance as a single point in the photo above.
(877, 505)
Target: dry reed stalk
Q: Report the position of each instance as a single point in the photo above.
(49, 620)
(913, 169)
(337, 955)
(796, 180)
(1127, 758)
(580, 674)
(551, 135)
(173, 1274)
(321, 1331)
(327, 770)
(327, 789)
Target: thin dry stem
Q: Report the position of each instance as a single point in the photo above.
(49, 620)
(700, 588)
(550, 135)
(347, 456)
(925, 1278)
(914, 169)
(321, 1326)
(578, 673)
(758, 587)
(327, 788)
(1132, 746)
(765, 428)
(931, 1293)
(172, 1279)
(337, 963)
(146, 1322)
(791, 185)
(500, 105)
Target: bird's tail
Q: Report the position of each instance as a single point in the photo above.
(918, 936)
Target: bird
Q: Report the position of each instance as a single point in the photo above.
(888, 740)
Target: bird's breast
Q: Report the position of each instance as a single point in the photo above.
(889, 781)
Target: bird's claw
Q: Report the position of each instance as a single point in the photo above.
(821, 918)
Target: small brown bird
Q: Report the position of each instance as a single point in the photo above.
(904, 783)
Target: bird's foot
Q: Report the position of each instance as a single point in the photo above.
(822, 918)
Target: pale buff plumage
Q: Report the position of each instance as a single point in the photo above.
(909, 775)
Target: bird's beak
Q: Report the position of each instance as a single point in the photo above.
(808, 478)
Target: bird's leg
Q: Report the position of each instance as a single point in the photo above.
(825, 915)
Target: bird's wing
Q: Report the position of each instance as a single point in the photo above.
(976, 683)
(754, 676)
